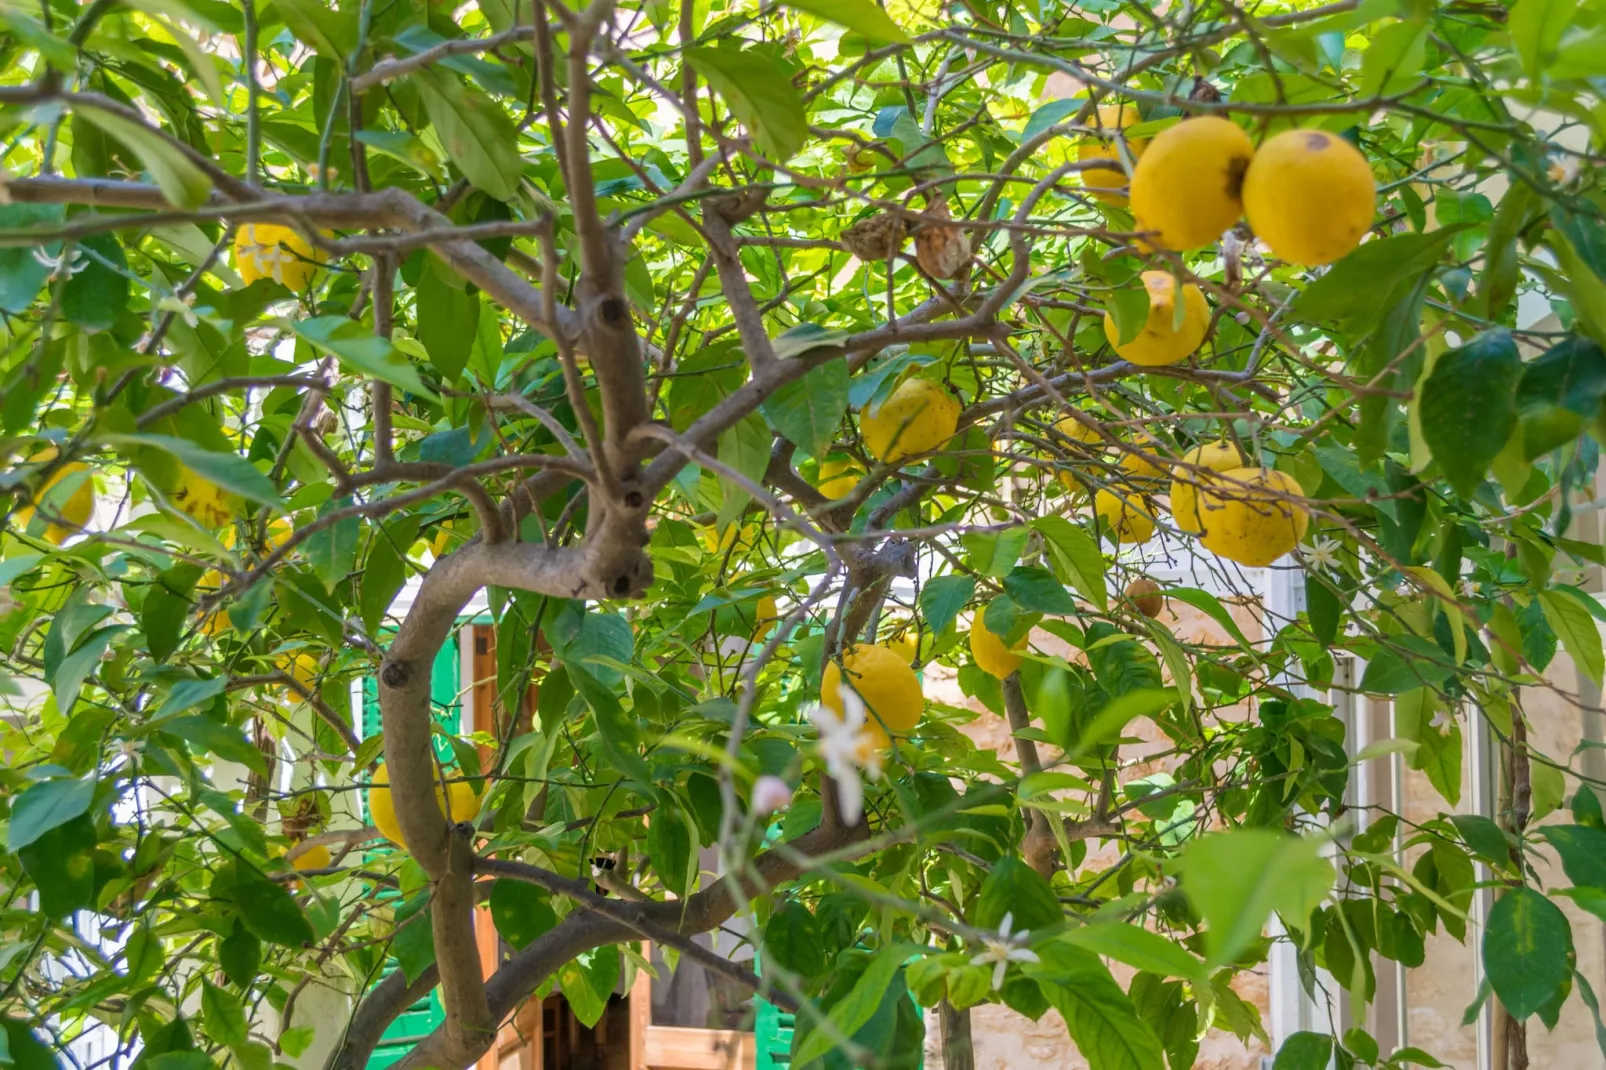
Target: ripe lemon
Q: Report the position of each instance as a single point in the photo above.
(1106, 183)
(838, 478)
(1251, 524)
(906, 646)
(1146, 464)
(217, 621)
(719, 540)
(1159, 342)
(209, 504)
(279, 531)
(989, 651)
(1127, 517)
(269, 251)
(301, 667)
(765, 615)
(315, 857)
(74, 509)
(463, 805)
(918, 417)
(1186, 188)
(883, 679)
(1217, 457)
(1310, 196)
(1076, 431)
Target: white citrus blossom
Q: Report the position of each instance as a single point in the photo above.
(999, 951)
(847, 746)
(1321, 553)
(770, 794)
(60, 267)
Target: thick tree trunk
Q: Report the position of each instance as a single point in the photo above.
(958, 1053)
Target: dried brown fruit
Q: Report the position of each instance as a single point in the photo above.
(878, 237)
(942, 248)
(1145, 594)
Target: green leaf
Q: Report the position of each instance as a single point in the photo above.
(1140, 948)
(1583, 853)
(792, 941)
(520, 911)
(1129, 308)
(761, 97)
(1526, 947)
(1037, 591)
(23, 1048)
(413, 945)
(1014, 888)
(1304, 1051)
(855, 1008)
(332, 549)
(1392, 61)
(616, 732)
(1468, 407)
(807, 337)
(229, 471)
(98, 294)
(474, 130)
(1119, 712)
(331, 32)
(385, 570)
(669, 848)
(44, 806)
(860, 16)
(1583, 56)
(1211, 606)
(1359, 284)
(363, 351)
(808, 411)
(222, 1017)
(1575, 243)
(1484, 838)
(1577, 631)
(183, 183)
(222, 740)
(1078, 555)
(588, 981)
(943, 597)
(1099, 1017)
(22, 273)
(1419, 664)
(240, 956)
(1536, 27)
(447, 318)
(265, 908)
(994, 553)
(1236, 879)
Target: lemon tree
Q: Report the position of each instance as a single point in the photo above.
(801, 393)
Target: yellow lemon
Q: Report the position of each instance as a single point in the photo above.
(989, 651)
(1187, 187)
(279, 531)
(315, 857)
(1247, 516)
(1106, 183)
(765, 614)
(1215, 456)
(838, 478)
(918, 417)
(209, 504)
(457, 803)
(1310, 196)
(1144, 464)
(217, 621)
(1161, 342)
(74, 509)
(883, 679)
(301, 667)
(269, 251)
(1125, 515)
(906, 646)
(720, 540)
(1079, 432)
